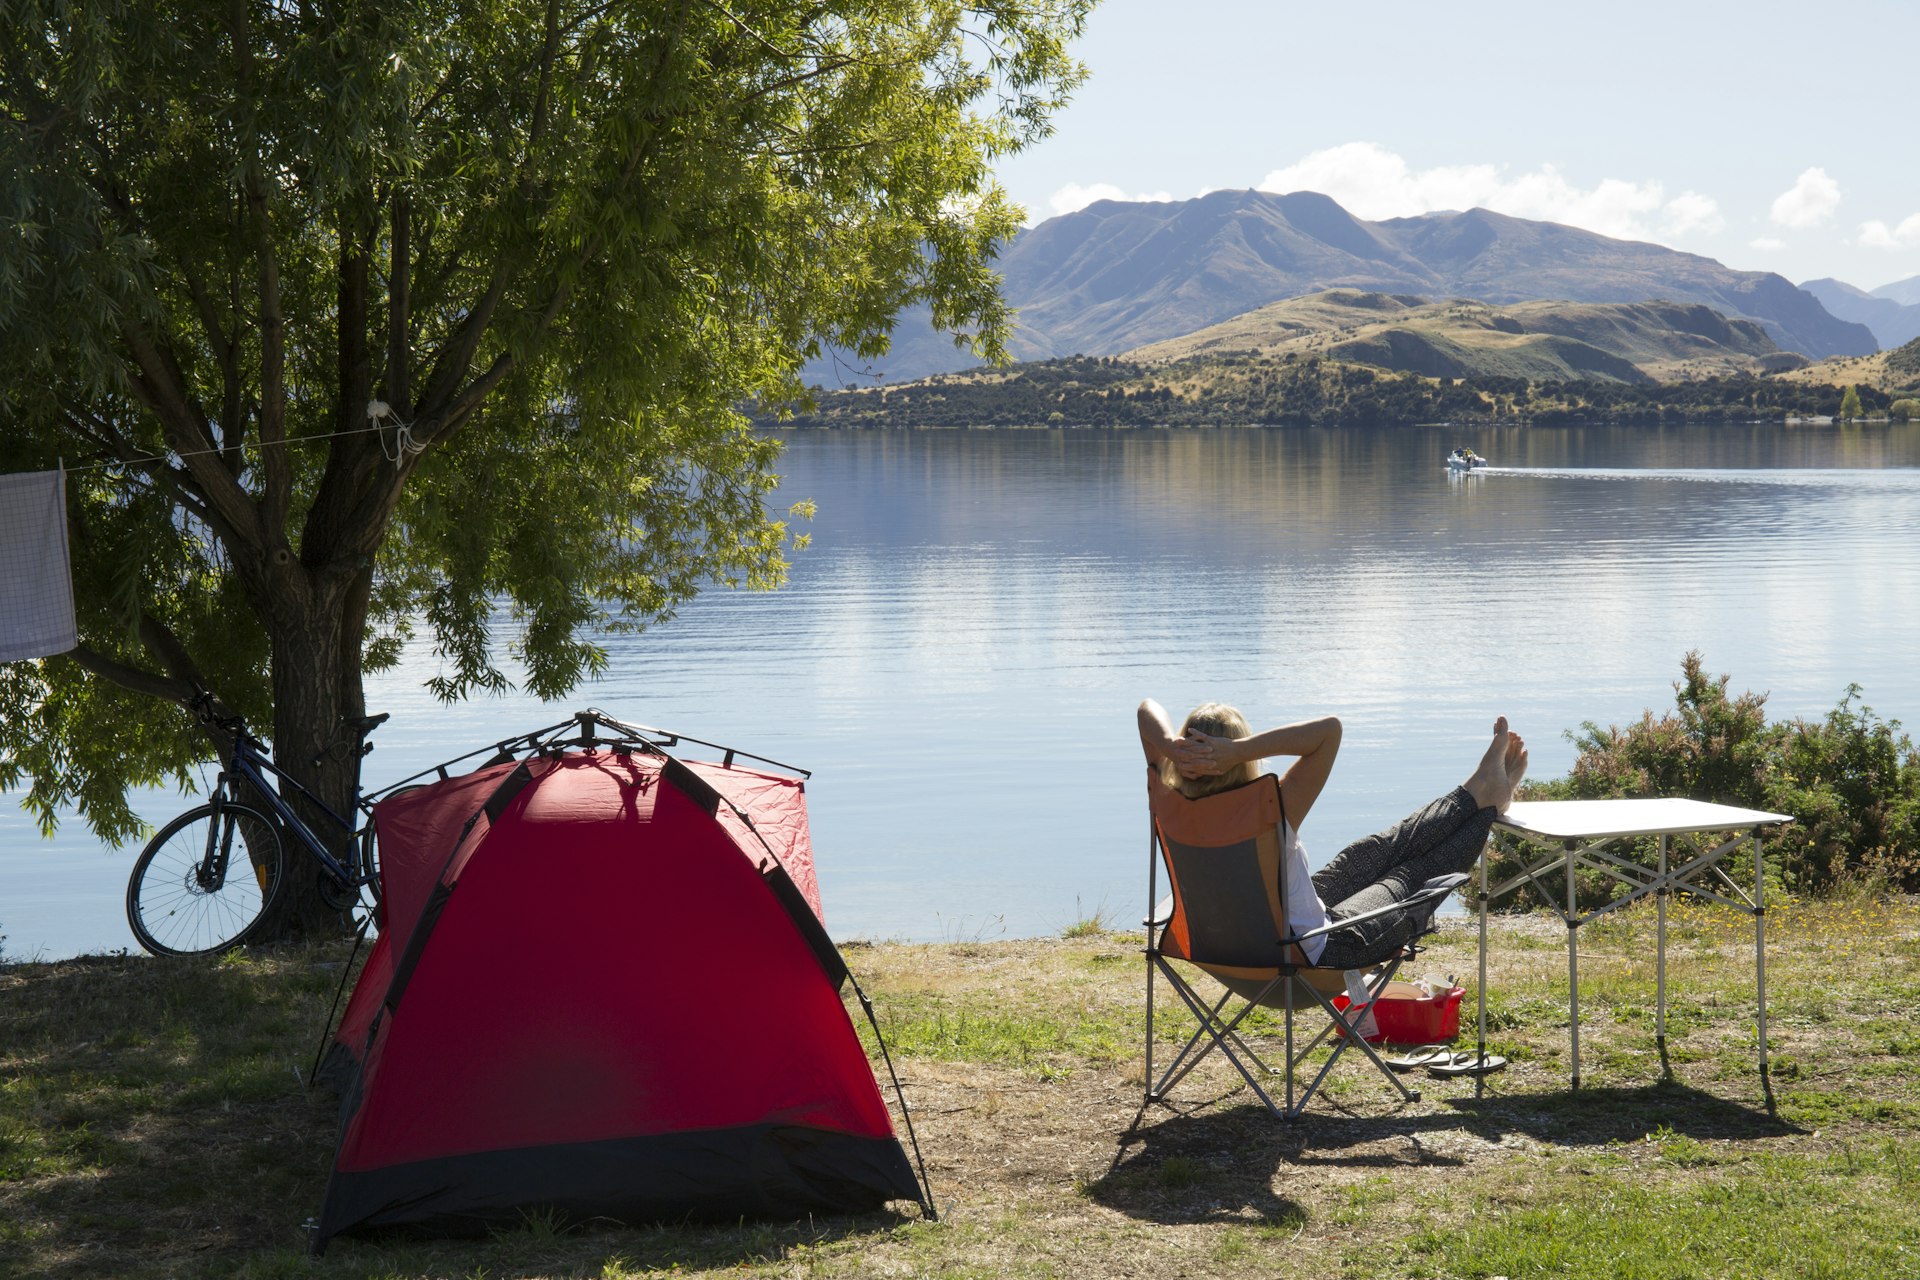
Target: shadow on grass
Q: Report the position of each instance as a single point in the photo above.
(547, 1241)
(154, 1111)
(1594, 1117)
(1201, 1164)
(1216, 1160)
(154, 1122)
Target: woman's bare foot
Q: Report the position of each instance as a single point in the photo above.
(1516, 762)
(1489, 785)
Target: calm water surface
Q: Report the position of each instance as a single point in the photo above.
(959, 653)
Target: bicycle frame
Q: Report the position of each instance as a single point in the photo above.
(267, 780)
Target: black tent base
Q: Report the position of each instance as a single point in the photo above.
(714, 1175)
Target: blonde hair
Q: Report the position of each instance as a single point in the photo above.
(1220, 721)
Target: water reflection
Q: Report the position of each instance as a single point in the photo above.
(959, 653)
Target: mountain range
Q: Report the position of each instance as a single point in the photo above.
(1118, 275)
(1891, 311)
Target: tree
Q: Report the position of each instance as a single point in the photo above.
(1850, 405)
(353, 319)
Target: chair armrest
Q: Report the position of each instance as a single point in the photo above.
(1432, 891)
(1162, 913)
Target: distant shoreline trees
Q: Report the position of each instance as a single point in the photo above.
(1238, 390)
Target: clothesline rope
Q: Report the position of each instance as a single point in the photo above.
(244, 444)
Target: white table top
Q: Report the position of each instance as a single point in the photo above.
(1599, 819)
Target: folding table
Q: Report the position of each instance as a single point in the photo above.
(1580, 831)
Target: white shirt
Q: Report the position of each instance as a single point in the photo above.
(1305, 911)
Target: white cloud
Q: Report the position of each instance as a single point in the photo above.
(1811, 201)
(1374, 183)
(1768, 243)
(1074, 197)
(1689, 212)
(1878, 235)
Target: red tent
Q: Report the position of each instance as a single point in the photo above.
(603, 988)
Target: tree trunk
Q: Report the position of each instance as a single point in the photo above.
(316, 685)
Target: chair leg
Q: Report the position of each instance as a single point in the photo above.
(1215, 1031)
(1355, 1013)
(1292, 1059)
(1210, 1025)
(1216, 1034)
(1147, 1080)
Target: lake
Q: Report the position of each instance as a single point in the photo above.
(959, 654)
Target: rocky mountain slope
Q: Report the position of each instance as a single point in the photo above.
(1893, 322)
(1119, 275)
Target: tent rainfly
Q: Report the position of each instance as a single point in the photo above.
(602, 988)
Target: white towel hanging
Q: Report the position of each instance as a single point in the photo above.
(36, 574)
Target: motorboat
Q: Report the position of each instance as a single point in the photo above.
(1465, 459)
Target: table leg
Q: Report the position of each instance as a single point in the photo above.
(1760, 956)
(1573, 964)
(1660, 965)
(1480, 1079)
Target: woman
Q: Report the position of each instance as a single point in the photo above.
(1216, 750)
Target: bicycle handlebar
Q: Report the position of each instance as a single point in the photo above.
(208, 707)
(361, 726)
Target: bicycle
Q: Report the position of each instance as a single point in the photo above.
(189, 895)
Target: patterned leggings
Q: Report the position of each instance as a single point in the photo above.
(1443, 838)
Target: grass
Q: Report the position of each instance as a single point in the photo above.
(153, 1123)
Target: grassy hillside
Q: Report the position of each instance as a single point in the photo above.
(1895, 372)
(1539, 341)
(153, 1124)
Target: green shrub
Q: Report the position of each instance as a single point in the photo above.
(1904, 410)
(1851, 781)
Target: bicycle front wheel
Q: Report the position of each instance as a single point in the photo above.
(203, 884)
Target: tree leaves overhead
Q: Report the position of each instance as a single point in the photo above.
(567, 244)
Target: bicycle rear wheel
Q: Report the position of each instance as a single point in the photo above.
(204, 882)
(369, 868)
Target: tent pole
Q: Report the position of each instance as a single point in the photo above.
(926, 1183)
(345, 973)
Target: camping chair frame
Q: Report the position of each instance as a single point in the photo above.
(1276, 984)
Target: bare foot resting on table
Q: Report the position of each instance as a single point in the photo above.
(1500, 770)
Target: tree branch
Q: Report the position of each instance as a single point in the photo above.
(276, 468)
(544, 96)
(133, 678)
(158, 385)
(183, 678)
(399, 299)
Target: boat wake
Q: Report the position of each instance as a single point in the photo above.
(1889, 479)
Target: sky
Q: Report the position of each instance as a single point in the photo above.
(1770, 136)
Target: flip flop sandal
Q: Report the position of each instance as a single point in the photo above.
(1423, 1056)
(1466, 1064)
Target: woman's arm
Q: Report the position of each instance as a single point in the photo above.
(1156, 732)
(1315, 743)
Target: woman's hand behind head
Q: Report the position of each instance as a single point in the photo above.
(1201, 755)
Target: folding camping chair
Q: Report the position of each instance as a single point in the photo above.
(1227, 915)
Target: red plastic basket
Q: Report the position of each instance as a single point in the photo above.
(1406, 1017)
